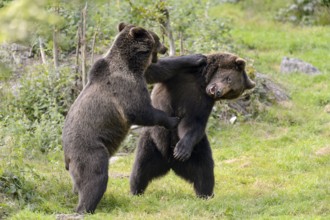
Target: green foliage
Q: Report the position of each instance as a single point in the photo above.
(27, 138)
(5, 73)
(192, 21)
(32, 119)
(3, 3)
(130, 142)
(265, 168)
(32, 16)
(52, 92)
(31, 124)
(142, 13)
(16, 186)
(306, 12)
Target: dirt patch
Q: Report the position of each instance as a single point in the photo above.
(244, 162)
(323, 151)
(69, 216)
(327, 108)
(118, 175)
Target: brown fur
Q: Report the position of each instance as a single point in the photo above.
(114, 98)
(190, 94)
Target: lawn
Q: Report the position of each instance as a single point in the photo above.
(275, 166)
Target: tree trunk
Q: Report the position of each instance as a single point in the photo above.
(78, 45)
(93, 46)
(181, 44)
(206, 11)
(55, 46)
(31, 53)
(83, 46)
(42, 51)
(167, 29)
(55, 49)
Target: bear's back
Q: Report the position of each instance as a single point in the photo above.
(91, 119)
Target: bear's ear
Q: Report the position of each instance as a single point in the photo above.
(248, 82)
(240, 63)
(138, 32)
(121, 26)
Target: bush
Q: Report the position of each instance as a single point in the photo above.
(15, 185)
(306, 12)
(33, 118)
(16, 189)
(192, 27)
(42, 90)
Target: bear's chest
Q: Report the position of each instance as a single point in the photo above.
(180, 98)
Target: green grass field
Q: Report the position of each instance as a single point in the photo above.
(267, 168)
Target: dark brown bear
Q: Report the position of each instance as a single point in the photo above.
(114, 98)
(190, 95)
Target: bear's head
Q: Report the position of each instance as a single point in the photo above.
(158, 48)
(143, 43)
(225, 76)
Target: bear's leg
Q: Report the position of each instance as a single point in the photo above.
(149, 164)
(204, 182)
(90, 178)
(67, 165)
(74, 187)
(198, 169)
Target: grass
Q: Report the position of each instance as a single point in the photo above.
(266, 41)
(267, 168)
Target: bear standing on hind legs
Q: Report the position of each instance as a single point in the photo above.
(190, 94)
(114, 98)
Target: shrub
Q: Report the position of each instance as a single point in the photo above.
(15, 185)
(33, 118)
(43, 90)
(306, 12)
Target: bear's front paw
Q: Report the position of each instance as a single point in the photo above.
(182, 151)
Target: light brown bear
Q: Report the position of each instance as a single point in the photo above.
(114, 98)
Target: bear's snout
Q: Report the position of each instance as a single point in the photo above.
(217, 90)
(218, 94)
(214, 91)
(210, 89)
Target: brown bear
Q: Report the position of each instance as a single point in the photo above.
(190, 95)
(114, 98)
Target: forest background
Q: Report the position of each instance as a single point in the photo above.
(272, 156)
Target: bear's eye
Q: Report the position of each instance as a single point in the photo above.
(228, 80)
